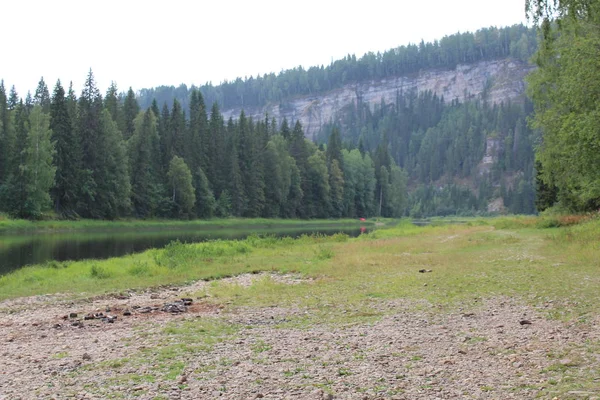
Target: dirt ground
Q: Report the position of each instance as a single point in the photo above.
(501, 349)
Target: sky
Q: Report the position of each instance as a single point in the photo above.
(143, 44)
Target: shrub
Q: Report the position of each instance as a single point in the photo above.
(99, 272)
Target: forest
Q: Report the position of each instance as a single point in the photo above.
(123, 155)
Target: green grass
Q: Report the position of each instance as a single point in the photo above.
(469, 261)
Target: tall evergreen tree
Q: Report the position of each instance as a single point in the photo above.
(131, 109)
(112, 103)
(89, 127)
(67, 157)
(4, 115)
(42, 96)
(144, 159)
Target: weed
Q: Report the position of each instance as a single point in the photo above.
(99, 272)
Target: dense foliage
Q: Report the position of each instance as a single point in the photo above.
(565, 90)
(101, 157)
(106, 157)
(517, 41)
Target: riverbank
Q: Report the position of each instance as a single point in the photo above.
(8, 225)
(487, 309)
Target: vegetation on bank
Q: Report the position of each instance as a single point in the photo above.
(8, 225)
(528, 258)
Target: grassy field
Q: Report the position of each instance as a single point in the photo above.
(510, 256)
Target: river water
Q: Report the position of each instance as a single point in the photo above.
(17, 251)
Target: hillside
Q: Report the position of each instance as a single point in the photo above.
(500, 80)
(451, 113)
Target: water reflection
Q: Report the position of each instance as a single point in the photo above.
(17, 251)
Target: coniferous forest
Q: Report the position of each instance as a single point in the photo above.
(169, 153)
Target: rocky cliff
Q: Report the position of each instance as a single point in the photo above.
(501, 80)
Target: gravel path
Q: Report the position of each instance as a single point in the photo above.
(499, 350)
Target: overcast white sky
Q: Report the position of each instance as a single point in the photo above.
(150, 43)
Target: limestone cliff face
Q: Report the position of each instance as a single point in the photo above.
(503, 79)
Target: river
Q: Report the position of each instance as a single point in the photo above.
(19, 250)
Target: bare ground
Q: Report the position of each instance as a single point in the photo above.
(500, 349)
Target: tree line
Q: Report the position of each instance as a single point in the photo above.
(104, 157)
(517, 41)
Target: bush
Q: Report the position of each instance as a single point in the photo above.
(98, 272)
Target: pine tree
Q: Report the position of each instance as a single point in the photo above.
(144, 159)
(112, 104)
(218, 174)
(4, 123)
(112, 175)
(317, 203)
(13, 98)
(131, 109)
(176, 132)
(336, 184)
(67, 157)
(42, 96)
(334, 148)
(89, 127)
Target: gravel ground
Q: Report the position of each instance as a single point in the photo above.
(500, 349)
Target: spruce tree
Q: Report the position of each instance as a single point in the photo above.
(218, 174)
(13, 98)
(336, 184)
(113, 196)
(67, 157)
(42, 96)
(89, 127)
(131, 109)
(3, 131)
(112, 104)
(144, 159)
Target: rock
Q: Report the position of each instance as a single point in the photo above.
(88, 317)
(525, 322)
(145, 310)
(73, 315)
(259, 396)
(187, 301)
(422, 270)
(127, 313)
(86, 357)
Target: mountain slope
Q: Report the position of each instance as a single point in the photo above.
(499, 80)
